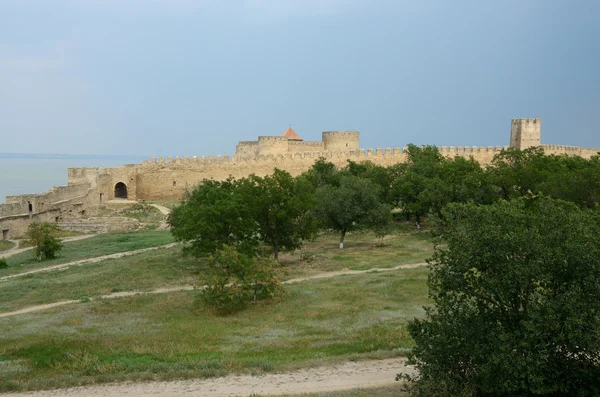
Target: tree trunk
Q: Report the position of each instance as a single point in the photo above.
(342, 239)
(276, 252)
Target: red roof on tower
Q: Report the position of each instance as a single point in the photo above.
(291, 135)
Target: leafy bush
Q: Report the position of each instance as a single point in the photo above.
(42, 236)
(516, 287)
(234, 280)
(3, 263)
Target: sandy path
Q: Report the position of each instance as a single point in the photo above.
(164, 290)
(80, 262)
(16, 251)
(163, 210)
(344, 376)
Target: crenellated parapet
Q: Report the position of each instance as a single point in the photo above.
(170, 177)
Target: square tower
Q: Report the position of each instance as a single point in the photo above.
(525, 133)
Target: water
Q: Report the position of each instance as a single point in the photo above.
(37, 173)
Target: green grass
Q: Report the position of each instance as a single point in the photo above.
(6, 245)
(362, 251)
(142, 272)
(141, 211)
(171, 336)
(99, 245)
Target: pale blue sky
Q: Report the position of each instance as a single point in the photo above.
(185, 77)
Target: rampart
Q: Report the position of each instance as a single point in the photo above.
(169, 178)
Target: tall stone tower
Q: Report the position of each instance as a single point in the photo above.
(525, 133)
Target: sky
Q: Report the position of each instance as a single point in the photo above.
(194, 77)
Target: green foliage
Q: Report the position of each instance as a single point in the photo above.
(353, 205)
(214, 215)
(3, 263)
(42, 237)
(281, 206)
(233, 280)
(516, 287)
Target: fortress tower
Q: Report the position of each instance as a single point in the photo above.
(343, 141)
(525, 133)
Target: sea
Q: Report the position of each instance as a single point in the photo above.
(36, 173)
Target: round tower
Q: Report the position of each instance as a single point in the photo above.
(337, 140)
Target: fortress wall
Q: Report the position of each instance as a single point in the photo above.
(588, 153)
(247, 147)
(109, 177)
(272, 145)
(570, 150)
(82, 175)
(11, 208)
(168, 179)
(44, 201)
(337, 140)
(305, 146)
(15, 226)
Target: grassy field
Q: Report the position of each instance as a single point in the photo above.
(142, 272)
(169, 336)
(102, 244)
(5, 245)
(141, 211)
(361, 251)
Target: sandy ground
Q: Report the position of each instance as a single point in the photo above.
(343, 376)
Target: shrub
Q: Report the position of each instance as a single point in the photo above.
(3, 263)
(42, 237)
(234, 280)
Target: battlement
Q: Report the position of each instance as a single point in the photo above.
(341, 133)
(272, 138)
(527, 121)
(305, 143)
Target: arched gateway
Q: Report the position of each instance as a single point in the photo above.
(121, 190)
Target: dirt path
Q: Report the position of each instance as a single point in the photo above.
(164, 290)
(163, 210)
(16, 251)
(80, 262)
(344, 376)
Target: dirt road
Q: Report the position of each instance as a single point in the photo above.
(344, 376)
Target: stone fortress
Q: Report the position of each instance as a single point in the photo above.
(169, 178)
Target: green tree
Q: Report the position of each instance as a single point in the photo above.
(214, 215)
(42, 236)
(353, 205)
(516, 292)
(280, 207)
(406, 189)
(322, 173)
(233, 280)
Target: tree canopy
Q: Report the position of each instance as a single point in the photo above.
(516, 292)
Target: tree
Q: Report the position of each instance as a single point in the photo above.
(351, 206)
(280, 207)
(516, 292)
(233, 280)
(42, 236)
(322, 173)
(214, 215)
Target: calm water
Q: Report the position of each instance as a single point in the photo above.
(26, 174)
